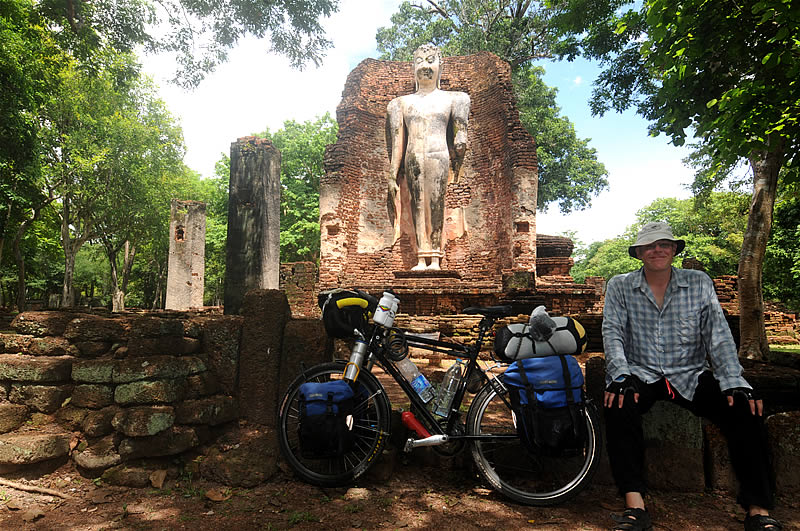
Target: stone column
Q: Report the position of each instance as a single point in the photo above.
(265, 314)
(187, 254)
(253, 247)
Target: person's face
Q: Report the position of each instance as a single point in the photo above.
(426, 68)
(658, 255)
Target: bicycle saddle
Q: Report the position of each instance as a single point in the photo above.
(489, 311)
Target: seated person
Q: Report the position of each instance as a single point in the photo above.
(661, 327)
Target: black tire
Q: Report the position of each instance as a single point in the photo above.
(525, 477)
(371, 430)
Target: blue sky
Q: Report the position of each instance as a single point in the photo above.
(255, 90)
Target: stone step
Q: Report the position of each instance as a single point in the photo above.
(29, 448)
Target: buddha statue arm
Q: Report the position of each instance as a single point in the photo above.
(396, 129)
(460, 114)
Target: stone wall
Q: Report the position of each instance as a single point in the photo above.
(133, 386)
(114, 391)
(490, 210)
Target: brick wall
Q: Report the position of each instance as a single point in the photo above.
(490, 211)
(299, 281)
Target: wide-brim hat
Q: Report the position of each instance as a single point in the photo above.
(652, 232)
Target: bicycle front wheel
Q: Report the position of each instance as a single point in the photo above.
(371, 424)
(527, 477)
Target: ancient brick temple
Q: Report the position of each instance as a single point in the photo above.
(490, 215)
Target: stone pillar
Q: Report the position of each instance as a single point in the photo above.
(253, 248)
(265, 313)
(187, 254)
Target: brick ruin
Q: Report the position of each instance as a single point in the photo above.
(490, 223)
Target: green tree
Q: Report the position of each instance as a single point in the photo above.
(569, 172)
(302, 147)
(713, 230)
(605, 259)
(199, 32)
(113, 151)
(726, 72)
(29, 65)
(214, 192)
(518, 32)
(144, 171)
(782, 259)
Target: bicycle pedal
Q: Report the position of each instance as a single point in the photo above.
(433, 440)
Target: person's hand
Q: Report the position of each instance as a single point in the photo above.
(743, 393)
(616, 392)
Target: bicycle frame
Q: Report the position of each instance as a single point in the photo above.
(377, 352)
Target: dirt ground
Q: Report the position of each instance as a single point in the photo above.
(414, 497)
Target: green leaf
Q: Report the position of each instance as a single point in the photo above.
(711, 103)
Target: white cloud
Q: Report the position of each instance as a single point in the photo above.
(255, 90)
(633, 185)
(577, 81)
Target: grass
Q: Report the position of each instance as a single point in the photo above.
(791, 349)
(301, 516)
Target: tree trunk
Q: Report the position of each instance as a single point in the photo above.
(766, 165)
(20, 259)
(68, 292)
(129, 252)
(3, 226)
(158, 299)
(71, 247)
(117, 297)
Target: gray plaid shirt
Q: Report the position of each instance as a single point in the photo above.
(674, 341)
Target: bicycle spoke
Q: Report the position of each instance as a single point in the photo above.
(530, 478)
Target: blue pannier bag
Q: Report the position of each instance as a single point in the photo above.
(326, 419)
(546, 397)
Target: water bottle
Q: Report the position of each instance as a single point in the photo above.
(387, 309)
(448, 389)
(418, 381)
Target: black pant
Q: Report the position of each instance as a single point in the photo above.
(745, 433)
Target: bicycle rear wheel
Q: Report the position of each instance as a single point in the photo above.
(523, 476)
(370, 429)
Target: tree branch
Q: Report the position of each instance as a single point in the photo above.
(32, 488)
(436, 9)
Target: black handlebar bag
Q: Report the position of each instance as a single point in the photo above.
(345, 311)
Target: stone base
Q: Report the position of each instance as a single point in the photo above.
(427, 273)
(673, 448)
